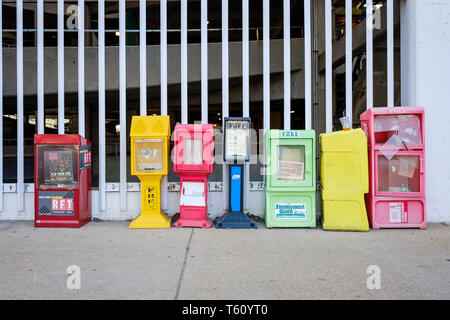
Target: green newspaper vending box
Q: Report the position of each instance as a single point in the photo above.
(290, 178)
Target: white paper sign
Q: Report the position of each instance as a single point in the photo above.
(397, 213)
(192, 151)
(193, 194)
(237, 137)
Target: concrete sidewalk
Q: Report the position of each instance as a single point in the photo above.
(118, 263)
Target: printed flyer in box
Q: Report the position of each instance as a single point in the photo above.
(60, 169)
(290, 170)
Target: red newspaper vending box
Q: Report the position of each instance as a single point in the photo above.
(62, 180)
(193, 161)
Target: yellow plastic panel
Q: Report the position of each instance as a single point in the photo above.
(151, 217)
(345, 215)
(344, 161)
(345, 179)
(150, 126)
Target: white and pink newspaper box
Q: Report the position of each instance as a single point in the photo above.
(396, 147)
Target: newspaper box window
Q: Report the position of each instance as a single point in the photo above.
(291, 163)
(396, 145)
(149, 155)
(62, 180)
(291, 178)
(236, 153)
(193, 162)
(149, 162)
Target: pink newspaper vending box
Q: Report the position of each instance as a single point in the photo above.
(193, 161)
(396, 145)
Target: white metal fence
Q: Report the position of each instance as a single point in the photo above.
(122, 184)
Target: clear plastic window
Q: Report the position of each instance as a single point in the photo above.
(291, 163)
(400, 174)
(192, 151)
(57, 166)
(406, 127)
(237, 139)
(148, 155)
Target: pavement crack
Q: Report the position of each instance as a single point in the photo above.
(184, 265)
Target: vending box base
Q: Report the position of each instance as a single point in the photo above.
(151, 221)
(291, 209)
(60, 223)
(196, 223)
(235, 220)
(345, 215)
(393, 213)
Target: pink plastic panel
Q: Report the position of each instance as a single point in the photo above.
(398, 213)
(193, 148)
(191, 215)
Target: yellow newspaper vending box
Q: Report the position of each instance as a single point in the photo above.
(150, 136)
(345, 179)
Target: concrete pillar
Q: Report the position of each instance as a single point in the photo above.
(425, 72)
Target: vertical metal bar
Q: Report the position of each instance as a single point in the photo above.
(204, 60)
(1, 106)
(163, 44)
(287, 63)
(266, 74)
(328, 67)
(184, 69)
(20, 137)
(225, 60)
(390, 53)
(60, 18)
(123, 104)
(308, 65)
(143, 57)
(245, 88)
(245, 60)
(163, 48)
(40, 67)
(225, 93)
(369, 54)
(348, 61)
(266, 64)
(81, 95)
(101, 107)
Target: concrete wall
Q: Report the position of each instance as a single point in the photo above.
(425, 31)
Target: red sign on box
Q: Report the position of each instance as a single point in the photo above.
(87, 157)
(62, 204)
